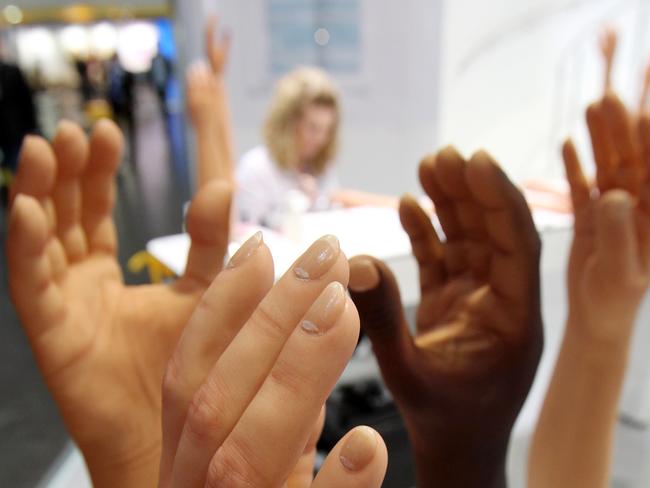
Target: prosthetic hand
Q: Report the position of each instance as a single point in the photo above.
(607, 43)
(462, 379)
(609, 273)
(251, 372)
(102, 346)
(207, 103)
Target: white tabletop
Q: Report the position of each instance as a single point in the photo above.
(382, 236)
(362, 230)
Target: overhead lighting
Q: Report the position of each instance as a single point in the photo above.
(75, 40)
(137, 44)
(103, 40)
(322, 37)
(13, 14)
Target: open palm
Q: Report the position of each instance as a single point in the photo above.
(610, 253)
(102, 346)
(479, 328)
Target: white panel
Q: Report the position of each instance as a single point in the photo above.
(389, 119)
(517, 76)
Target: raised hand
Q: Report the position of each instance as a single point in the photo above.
(608, 264)
(607, 43)
(208, 111)
(249, 376)
(101, 346)
(202, 95)
(217, 45)
(207, 103)
(462, 379)
(609, 273)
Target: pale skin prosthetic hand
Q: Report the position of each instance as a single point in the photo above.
(103, 347)
(608, 275)
(462, 379)
(207, 104)
(246, 383)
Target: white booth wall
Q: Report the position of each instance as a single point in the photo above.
(517, 76)
(508, 76)
(390, 107)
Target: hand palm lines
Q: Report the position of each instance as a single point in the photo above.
(468, 290)
(101, 345)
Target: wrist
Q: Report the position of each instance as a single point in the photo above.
(594, 349)
(457, 462)
(130, 471)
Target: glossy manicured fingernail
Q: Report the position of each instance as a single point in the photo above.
(246, 250)
(20, 200)
(616, 204)
(359, 449)
(320, 257)
(325, 311)
(364, 275)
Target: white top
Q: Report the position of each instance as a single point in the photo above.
(264, 189)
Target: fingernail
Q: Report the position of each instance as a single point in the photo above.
(359, 449)
(318, 259)
(325, 311)
(616, 204)
(246, 250)
(364, 275)
(19, 199)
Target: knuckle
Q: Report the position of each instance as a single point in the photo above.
(207, 307)
(206, 415)
(171, 382)
(266, 322)
(236, 466)
(289, 378)
(225, 473)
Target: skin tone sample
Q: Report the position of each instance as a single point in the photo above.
(207, 104)
(103, 347)
(608, 275)
(462, 379)
(243, 392)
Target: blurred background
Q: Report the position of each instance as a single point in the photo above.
(509, 76)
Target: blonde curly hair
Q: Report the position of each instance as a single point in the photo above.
(294, 92)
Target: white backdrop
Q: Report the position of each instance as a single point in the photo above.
(509, 76)
(517, 76)
(389, 119)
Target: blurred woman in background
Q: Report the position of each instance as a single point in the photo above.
(294, 170)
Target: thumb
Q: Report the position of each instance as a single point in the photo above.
(208, 225)
(375, 293)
